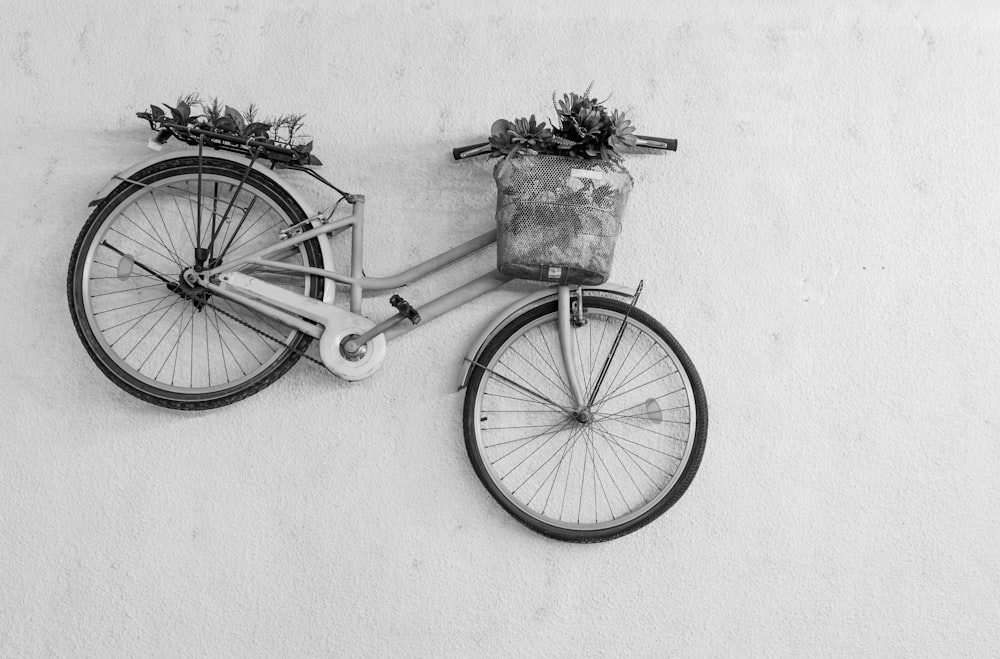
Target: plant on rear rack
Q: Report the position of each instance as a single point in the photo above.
(222, 119)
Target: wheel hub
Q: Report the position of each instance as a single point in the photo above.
(187, 287)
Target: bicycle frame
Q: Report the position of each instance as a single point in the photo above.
(312, 316)
(357, 281)
(290, 307)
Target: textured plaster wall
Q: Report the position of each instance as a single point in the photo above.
(824, 243)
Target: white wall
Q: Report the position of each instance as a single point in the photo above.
(824, 243)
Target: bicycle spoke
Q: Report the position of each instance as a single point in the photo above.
(142, 265)
(560, 451)
(533, 401)
(507, 381)
(636, 377)
(624, 468)
(177, 342)
(127, 290)
(525, 458)
(247, 241)
(222, 352)
(172, 255)
(636, 388)
(537, 370)
(150, 329)
(166, 333)
(621, 365)
(166, 229)
(595, 356)
(621, 419)
(551, 363)
(550, 411)
(221, 322)
(569, 472)
(555, 476)
(651, 448)
(537, 469)
(239, 226)
(135, 320)
(556, 427)
(149, 249)
(583, 477)
(620, 413)
(612, 382)
(133, 304)
(603, 489)
(612, 440)
(181, 215)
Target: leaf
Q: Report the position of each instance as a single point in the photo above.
(500, 126)
(226, 124)
(234, 115)
(256, 129)
(157, 111)
(178, 118)
(184, 110)
(305, 148)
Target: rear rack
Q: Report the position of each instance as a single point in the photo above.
(251, 147)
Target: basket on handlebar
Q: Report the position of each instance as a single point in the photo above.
(558, 218)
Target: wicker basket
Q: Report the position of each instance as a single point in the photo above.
(558, 218)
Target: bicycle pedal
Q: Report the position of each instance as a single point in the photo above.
(405, 308)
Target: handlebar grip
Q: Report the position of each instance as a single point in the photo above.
(664, 143)
(463, 152)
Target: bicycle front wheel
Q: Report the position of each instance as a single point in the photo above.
(595, 474)
(152, 334)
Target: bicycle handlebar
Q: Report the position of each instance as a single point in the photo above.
(471, 151)
(661, 143)
(642, 142)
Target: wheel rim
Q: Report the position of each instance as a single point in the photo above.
(156, 335)
(592, 476)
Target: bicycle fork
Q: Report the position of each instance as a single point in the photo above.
(571, 317)
(568, 346)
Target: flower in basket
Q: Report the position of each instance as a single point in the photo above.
(585, 128)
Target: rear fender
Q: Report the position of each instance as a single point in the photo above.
(520, 306)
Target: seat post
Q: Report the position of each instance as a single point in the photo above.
(357, 249)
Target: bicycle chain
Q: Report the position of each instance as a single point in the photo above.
(301, 352)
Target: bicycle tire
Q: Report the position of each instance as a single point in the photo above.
(131, 251)
(526, 352)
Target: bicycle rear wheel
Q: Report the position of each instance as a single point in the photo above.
(602, 474)
(154, 336)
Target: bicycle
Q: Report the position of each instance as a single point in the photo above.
(199, 279)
